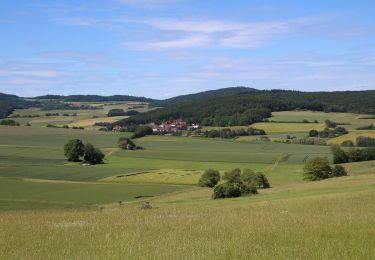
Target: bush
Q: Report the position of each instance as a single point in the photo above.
(209, 178)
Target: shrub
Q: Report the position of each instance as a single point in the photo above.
(209, 178)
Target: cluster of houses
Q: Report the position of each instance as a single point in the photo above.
(166, 127)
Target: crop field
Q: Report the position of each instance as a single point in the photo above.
(288, 127)
(84, 118)
(352, 136)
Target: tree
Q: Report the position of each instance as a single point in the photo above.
(209, 178)
(92, 155)
(313, 133)
(317, 169)
(73, 150)
(233, 176)
(347, 143)
(142, 131)
(339, 171)
(116, 112)
(339, 155)
(258, 179)
(126, 144)
(227, 190)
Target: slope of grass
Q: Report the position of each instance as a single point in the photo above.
(331, 226)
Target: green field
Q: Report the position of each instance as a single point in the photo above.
(61, 202)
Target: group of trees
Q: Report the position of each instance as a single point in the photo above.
(231, 133)
(75, 149)
(328, 133)
(236, 183)
(319, 169)
(353, 155)
(9, 122)
(95, 98)
(121, 112)
(363, 141)
(367, 127)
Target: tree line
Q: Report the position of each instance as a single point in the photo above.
(248, 108)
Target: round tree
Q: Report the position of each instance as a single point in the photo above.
(73, 150)
(317, 169)
(209, 178)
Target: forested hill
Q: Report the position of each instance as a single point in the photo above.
(10, 102)
(247, 108)
(96, 98)
(202, 95)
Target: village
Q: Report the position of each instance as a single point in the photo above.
(166, 127)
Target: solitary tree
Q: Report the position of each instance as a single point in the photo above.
(126, 144)
(317, 169)
(339, 171)
(209, 178)
(73, 150)
(92, 155)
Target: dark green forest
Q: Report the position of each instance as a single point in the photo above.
(250, 107)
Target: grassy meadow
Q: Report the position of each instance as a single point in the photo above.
(53, 209)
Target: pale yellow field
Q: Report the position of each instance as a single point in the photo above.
(352, 135)
(288, 127)
(92, 121)
(162, 176)
(350, 118)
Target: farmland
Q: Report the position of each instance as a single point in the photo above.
(66, 201)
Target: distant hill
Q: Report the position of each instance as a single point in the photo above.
(253, 106)
(10, 102)
(203, 95)
(96, 98)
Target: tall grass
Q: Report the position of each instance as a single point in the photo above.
(340, 226)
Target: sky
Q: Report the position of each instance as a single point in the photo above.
(165, 48)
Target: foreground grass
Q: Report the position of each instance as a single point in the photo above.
(335, 226)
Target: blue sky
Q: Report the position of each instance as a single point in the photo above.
(164, 48)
